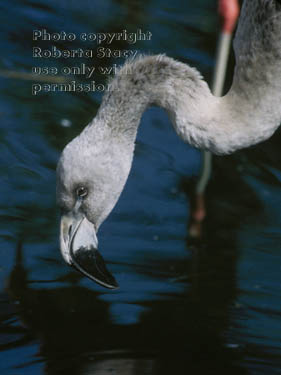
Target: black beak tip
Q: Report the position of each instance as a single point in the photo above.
(91, 264)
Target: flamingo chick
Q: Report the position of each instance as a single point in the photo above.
(94, 166)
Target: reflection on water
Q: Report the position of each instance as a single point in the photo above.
(183, 308)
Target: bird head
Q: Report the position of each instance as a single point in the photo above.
(91, 174)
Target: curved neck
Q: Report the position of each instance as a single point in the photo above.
(161, 81)
(220, 125)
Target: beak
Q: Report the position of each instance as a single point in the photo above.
(78, 244)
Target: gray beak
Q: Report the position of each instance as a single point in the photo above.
(78, 244)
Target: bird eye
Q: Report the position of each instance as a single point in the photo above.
(81, 192)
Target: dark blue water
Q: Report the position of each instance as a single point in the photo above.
(182, 308)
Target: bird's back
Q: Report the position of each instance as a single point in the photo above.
(259, 29)
(257, 46)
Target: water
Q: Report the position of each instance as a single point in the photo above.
(212, 308)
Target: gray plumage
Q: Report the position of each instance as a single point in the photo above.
(100, 157)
